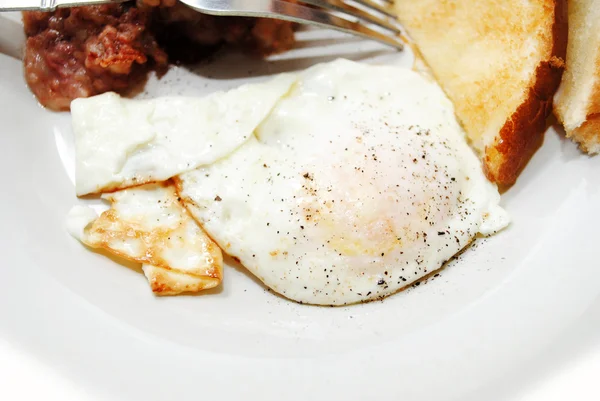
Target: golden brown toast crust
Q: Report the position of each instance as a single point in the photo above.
(522, 133)
(500, 62)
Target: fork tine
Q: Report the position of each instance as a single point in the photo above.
(345, 8)
(372, 4)
(284, 10)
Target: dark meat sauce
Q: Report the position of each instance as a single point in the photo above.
(85, 51)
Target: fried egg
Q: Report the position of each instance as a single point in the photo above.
(356, 184)
(148, 224)
(121, 142)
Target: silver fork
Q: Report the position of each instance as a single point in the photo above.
(366, 18)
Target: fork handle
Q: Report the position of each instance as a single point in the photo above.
(48, 5)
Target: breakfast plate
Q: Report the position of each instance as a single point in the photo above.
(499, 317)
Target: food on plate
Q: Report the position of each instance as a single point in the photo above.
(356, 182)
(80, 52)
(148, 224)
(500, 62)
(84, 51)
(577, 102)
(188, 35)
(121, 142)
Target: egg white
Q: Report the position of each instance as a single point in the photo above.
(358, 183)
(121, 142)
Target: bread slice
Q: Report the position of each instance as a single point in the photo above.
(577, 102)
(500, 62)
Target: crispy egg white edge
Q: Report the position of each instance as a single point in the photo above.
(180, 275)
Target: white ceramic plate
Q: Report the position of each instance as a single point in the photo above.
(500, 318)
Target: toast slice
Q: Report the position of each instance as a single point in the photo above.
(577, 102)
(500, 62)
